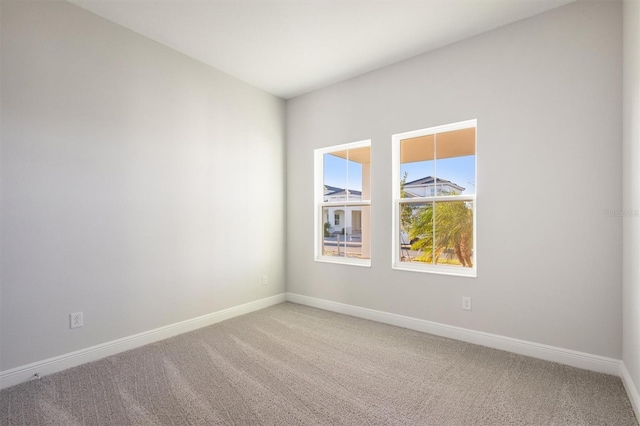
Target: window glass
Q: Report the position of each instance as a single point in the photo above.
(437, 233)
(343, 200)
(435, 198)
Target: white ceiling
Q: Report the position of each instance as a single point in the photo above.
(290, 47)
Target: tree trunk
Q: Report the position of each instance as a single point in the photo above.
(460, 253)
(465, 251)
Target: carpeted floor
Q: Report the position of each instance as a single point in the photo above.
(295, 365)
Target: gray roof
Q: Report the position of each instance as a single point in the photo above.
(409, 194)
(429, 181)
(341, 191)
(331, 189)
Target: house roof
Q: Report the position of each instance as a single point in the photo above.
(429, 181)
(329, 189)
(341, 191)
(409, 194)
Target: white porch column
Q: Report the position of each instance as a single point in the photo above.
(366, 211)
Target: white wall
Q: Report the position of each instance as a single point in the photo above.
(547, 95)
(631, 188)
(124, 169)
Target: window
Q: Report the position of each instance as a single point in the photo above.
(434, 199)
(343, 203)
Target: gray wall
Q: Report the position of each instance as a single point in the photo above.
(631, 185)
(547, 95)
(138, 186)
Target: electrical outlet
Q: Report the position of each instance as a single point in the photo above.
(466, 303)
(265, 279)
(75, 320)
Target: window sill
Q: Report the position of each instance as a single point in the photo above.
(437, 269)
(344, 261)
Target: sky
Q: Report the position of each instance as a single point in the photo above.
(459, 170)
(337, 169)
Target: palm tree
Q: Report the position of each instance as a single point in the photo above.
(453, 230)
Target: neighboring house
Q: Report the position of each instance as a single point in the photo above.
(348, 220)
(425, 187)
(343, 218)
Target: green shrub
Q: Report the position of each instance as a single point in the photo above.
(327, 225)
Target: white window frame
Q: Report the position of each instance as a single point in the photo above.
(319, 204)
(397, 201)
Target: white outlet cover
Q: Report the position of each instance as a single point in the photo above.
(466, 303)
(75, 320)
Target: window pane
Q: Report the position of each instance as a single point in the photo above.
(437, 233)
(456, 162)
(456, 175)
(333, 241)
(453, 238)
(416, 232)
(417, 168)
(452, 172)
(358, 179)
(346, 175)
(335, 174)
(346, 231)
(359, 244)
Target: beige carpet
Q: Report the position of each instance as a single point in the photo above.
(294, 365)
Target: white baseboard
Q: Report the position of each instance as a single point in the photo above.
(24, 373)
(536, 350)
(631, 388)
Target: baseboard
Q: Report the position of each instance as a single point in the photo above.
(24, 373)
(631, 388)
(536, 350)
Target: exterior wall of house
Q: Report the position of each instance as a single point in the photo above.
(346, 212)
(350, 218)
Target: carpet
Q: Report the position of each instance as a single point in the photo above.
(295, 365)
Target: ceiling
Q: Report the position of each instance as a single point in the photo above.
(290, 47)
